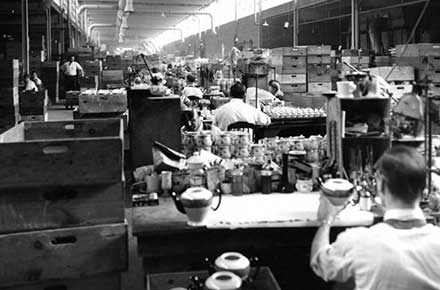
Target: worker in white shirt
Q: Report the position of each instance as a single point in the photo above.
(71, 70)
(237, 111)
(37, 80)
(30, 86)
(402, 252)
(191, 95)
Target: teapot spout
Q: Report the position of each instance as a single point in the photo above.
(178, 203)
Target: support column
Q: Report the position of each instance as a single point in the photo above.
(69, 25)
(49, 33)
(25, 35)
(62, 36)
(354, 24)
(295, 22)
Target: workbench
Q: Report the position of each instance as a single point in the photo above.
(167, 244)
(292, 127)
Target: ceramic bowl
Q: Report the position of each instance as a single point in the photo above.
(223, 280)
(233, 262)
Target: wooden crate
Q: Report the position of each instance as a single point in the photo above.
(399, 73)
(33, 103)
(432, 75)
(319, 73)
(105, 282)
(294, 88)
(418, 49)
(292, 78)
(48, 207)
(70, 253)
(103, 102)
(290, 64)
(112, 77)
(292, 51)
(319, 59)
(71, 153)
(319, 50)
(323, 87)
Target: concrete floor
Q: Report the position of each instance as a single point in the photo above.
(132, 279)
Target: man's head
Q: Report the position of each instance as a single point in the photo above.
(237, 91)
(156, 79)
(194, 120)
(26, 77)
(72, 58)
(274, 86)
(401, 175)
(34, 75)
(190, 79)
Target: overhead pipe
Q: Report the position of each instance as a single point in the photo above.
(181, 13)
(83, 7)
(96, 25)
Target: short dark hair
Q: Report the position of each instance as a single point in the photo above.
(190, 78)
(404, 172)
(237, 91)
(275, 84)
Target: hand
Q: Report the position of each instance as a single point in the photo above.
(327, 211)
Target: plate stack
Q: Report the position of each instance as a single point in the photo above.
(9, 114)
(319, 69)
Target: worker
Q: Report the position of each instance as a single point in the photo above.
(264, 97)
(71, 68)
(30, 86)
(275, 89)
(237, 111)
(37, 80)
(192, 121)
(234, 56)
(157, 87)
(402, 252)
(191, 95)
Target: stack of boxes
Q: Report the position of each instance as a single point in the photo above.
(9, 113)
(359, 59)
(319, 69)
(33, 106)
(50, 76)
(92, 70)
(400, 78)
(425, 58)
(291, 68)
(61, 188)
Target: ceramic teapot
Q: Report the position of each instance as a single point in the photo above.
(337, 190)
(196, 203)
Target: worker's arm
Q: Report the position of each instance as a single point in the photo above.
(262, 118)
(79, 67)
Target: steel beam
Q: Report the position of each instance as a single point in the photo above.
(25, 35)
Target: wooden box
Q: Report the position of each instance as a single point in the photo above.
(69, 253)
(103, 102)
(319, 50)
(398, 73)
(292, 78)
(319, 59)
(62, 153)
(323, 87)
(112, 77)
(418, 49)
(33, 103)
(48, 207)
(292, 51)
(294, 88)
(104, 282)
(318, 73)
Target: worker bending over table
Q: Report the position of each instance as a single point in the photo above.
(403, 252)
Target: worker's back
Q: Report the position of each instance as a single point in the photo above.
(384, 257)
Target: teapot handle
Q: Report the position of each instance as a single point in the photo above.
(219, 193)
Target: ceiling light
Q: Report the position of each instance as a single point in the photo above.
(265, 24)
(163, 14)
(286, 24)
(129, 6)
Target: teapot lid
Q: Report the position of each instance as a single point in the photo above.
(197, 193)
(223, 280)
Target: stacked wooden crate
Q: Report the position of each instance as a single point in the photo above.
(319, 62)
(62, 224)
(50, 76)
(359, 59)
(400, 78)
(112, 62)
(9, 113)
(81, 54)
(425, 58)
(291, 68)
(93, 71)
(112, 79)
(33, 106)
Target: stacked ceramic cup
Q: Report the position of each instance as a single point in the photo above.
(189, 143)
(223, 145)
(204, 141)
(241, 142)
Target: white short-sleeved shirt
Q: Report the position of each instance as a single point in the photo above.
(30, 86)
(384, 257)
(237, 111)
(71, 68)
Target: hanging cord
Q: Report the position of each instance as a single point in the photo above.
(411, 36)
